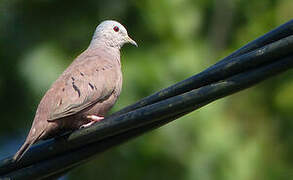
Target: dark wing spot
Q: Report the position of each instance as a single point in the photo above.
(76, 89)
(72, 78)
(103, 68)
(97, 70)
(92, 87)
(81, 74)
(63, 89)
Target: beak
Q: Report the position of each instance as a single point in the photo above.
(131, 41)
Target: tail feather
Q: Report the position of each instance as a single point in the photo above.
(30, 140)
(22, 151)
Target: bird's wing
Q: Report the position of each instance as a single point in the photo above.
(82, 85)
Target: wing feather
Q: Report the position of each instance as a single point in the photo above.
(82, 85)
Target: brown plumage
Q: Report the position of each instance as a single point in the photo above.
(89, 86)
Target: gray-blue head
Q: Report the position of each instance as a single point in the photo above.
(112, 33)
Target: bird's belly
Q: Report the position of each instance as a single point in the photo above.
(101, 108)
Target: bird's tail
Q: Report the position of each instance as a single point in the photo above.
(30, 140)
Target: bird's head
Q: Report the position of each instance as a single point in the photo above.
(112, 33)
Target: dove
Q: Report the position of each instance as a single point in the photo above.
(85, 91)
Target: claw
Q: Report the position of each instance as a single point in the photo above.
(87, 125)
(93, 119)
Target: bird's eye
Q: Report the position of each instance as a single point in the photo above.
(116, 28)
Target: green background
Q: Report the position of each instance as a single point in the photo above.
(247, 136)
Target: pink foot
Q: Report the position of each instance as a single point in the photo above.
(93, 119)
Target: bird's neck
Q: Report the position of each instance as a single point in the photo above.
(105, 41)
(101, 48)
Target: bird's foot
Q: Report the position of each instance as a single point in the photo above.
(93, 119)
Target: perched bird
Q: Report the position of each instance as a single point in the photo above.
(85, 91)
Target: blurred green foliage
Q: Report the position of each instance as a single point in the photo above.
(246, 136)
